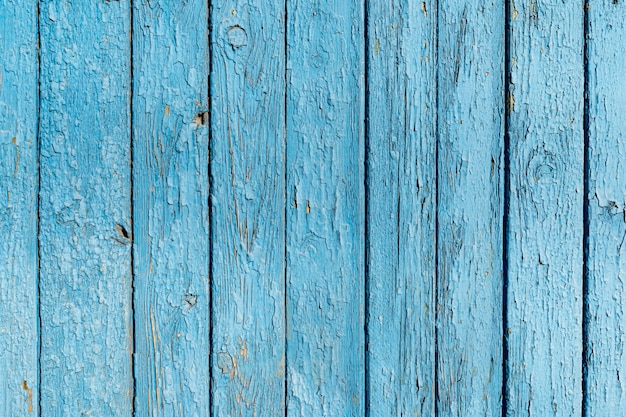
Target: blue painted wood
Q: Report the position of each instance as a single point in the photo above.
(85, 210)
(470, 207)
(401, 194)
(325, 211)
(170, 207)
(19, 321)
(545, 227)
(606, 199)
(248, 207)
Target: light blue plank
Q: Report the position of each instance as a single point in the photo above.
(470, 207)
(606, 262)
(248, 207)
(170, 207)
(401, 189)
(19, 321)
(545, 227)
(325, 211)
(85, 209)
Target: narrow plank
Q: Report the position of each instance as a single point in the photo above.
(85, 212)
(545, 217)
(171, 207)
(606, 199)
(325, 210)
(19, 321)
(470, 207)
(248, 207)
(401, 193)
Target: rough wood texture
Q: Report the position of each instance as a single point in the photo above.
(606, 262)
(19, 322)
(248, 207)
(470, 207)
(401, 195)
(85, 209)
(171, 200)
(325, 209)
(545, 228)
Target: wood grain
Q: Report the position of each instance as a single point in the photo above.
(85, 210)
(248, 207)
(401, 194)
(606, 199)
(470, 207)
(171, 207)
(545, 217)
(325, 209)
(19, 114)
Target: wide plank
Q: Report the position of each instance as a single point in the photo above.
(470, 205)
(606, 198)
(325, 208)
(401, 194)
(545, 212)
(19, 114)
(85, 209)
(248, 207)
(171, 207)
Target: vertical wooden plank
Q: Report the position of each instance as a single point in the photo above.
(325, 211)
(545, 218)
(470, 207)
(85, 209)
(606, 198)
(19, 321)
(401, 193)
(248, 207)
(170, 207)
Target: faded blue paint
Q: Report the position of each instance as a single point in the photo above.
(171, 208)
(545, 214)
(19, 322)
(248, 207)
(606, 199)
(251, 300)
(401, 187)
(86, 317)
(325, 208)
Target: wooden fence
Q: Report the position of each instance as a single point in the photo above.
(312, 208)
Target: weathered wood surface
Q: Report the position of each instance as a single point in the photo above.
(171, 208)
(401, 195)
(248, 207)
(470, 207)
(325, 208)
(85, 209)
(545, 213)
(302, 207)
(19, 322)
(606, 199)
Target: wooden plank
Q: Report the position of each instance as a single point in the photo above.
(401, 194)
(85, 213)
(325, 211)
(171, 207)
(19, 321)
(545, 217)
(248, 207)
(606, 198)
(470, 207)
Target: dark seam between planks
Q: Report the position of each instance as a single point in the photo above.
(506, 204)
(436, 215)
(366, 188)
(586, 174)
(285, 131)
(132, 219)
(209, 12)
(38, 137)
